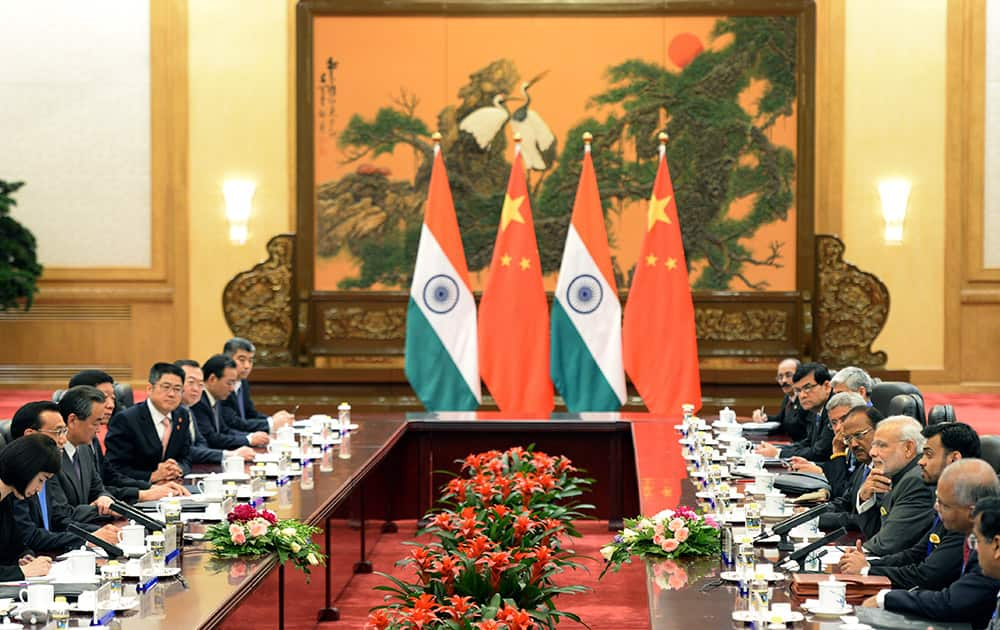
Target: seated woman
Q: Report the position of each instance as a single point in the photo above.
(25, 464)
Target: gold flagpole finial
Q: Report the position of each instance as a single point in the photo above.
(517, 138)
(436, 137)
(663, 137)
(587, 137)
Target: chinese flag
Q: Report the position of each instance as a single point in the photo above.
(660, 346)
(513, 313)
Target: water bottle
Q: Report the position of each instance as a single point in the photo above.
(59, 613)
(760, 597)
(306, 483)
(742, 602)
(345, 446)
(728, 550)
(344, 416)
(326, 462)
(744, 560)
(753, 519)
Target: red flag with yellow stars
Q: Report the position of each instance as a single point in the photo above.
(658, 335)
(513, 313)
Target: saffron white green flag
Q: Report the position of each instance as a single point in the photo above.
(586, 335)
(442, 362)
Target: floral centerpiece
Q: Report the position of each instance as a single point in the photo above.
(668, 534)
(498, 547)
(248, 532)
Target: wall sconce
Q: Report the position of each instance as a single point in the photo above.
(895, 194)
(239, 198)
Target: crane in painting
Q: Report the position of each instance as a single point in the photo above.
(538, 143)
(485, 123)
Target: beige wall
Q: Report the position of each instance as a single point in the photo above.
(240, 127)
(894, 126)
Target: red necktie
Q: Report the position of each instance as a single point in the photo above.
(166, 434)
(966, 550)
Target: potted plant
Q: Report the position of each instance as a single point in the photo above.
(19, 267)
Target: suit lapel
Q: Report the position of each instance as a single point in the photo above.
(74, 480)
(148, 431)
(177, 428)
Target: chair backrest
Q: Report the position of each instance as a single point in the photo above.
(883, 393)
(124, 396)
(57, 395)
(907, 405)
(941, 413)
(4, 432)
(990, 445)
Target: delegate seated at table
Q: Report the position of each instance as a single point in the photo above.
(25, 465)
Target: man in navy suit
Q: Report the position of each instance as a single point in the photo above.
(151, 441)
(221, 427)
(987, 534)
(194, 389)
(242, 352)
(972, 598)
(812, 389)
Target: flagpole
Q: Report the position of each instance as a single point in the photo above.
(517, 144)
(436, 137)
(663, 143)
(587, 138)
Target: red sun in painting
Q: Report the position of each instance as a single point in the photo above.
(684, 48)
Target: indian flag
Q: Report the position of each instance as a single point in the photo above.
(586, 314)
(442, 362)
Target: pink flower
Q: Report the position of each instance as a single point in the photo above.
(236, 534)
(711, 522)
(670, 544)
(659, 529)
(658, 540)
(678, 580)
(242, 513)
(681, 534)
(269, 516)
(258, 527)
(676, 524)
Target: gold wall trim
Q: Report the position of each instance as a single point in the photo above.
(56, 373)
(70, 312)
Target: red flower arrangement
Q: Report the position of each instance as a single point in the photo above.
(248, 532)
(499, 544)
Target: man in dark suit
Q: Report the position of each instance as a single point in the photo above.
(987, 535)
(242, 352)
(972, 598)
(934, 561)
(790, 415)
(81, 408)
(220, 425)
(194, 388)
(151, 441)
(895, 505)
(812, 390)
(841, 464)
(44, 517)
(858, 430)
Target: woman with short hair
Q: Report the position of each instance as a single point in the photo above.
(25, 465)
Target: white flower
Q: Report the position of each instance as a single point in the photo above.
(607, 551)
(295, 547)
(664, 515)
(629, 535)
(288, 531)
(645, 524)
(312, 559)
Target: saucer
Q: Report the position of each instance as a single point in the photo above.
(202, 516)
(133, 552)
(733, 496)
(733, 576)
(167, 572)
(826, 612)
(778, 515)
(125, 603)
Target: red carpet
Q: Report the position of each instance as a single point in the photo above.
(618, 602)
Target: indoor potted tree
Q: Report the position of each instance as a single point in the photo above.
(19, 267)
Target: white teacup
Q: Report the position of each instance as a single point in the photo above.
(734, 429)
(832, 594)
(87, 600)
(213, 511)
(754, 462)
(285, 435)
(763, 482)
(132, 536)
(37, 596)
(82, 564)
(232, 465)
(774, 503)
(210, 486)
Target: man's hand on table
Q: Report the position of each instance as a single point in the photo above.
(871, 602)
(767, 450)
(162, 490)
(103, 505)
(168, 470)
(801, 464)
(109, 534)
(36, 567)
(853, 561)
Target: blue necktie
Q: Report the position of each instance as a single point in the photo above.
(45, 507)
(239, 404)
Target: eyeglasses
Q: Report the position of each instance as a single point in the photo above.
(165, 387)
(60, 432)
(805, 389)
(856, 437)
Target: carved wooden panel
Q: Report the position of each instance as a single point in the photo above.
(850, 311)
(258, 303)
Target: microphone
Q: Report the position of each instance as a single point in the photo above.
(784, 527)
(113, 551)
(138, 516)
(801, 555)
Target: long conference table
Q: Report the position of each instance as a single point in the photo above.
(393, 473)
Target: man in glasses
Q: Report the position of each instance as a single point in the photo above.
(853, 379)
(935, 561)
(895, 506)
(837, 470)
(858, 430)
(812, 389)
(972, 598)
(790, 414)
(152, 441)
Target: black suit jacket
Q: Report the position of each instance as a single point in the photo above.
(915, 567)
(901, 516)
(837, 474)
(134, 449)
(971, 599)
(11, 542)
(121, 487)
(842, 509)
(222, 435)
(31, 525)
(250, 413)
(201, 452)
(81, 491)
(817, 446)
(791, 417)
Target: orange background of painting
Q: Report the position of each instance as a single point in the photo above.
(432, 58)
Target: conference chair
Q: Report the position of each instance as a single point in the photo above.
(883, 393)
(907, 405)
(124, 397)
(941, 413)
(990, 446)
(4, 432)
